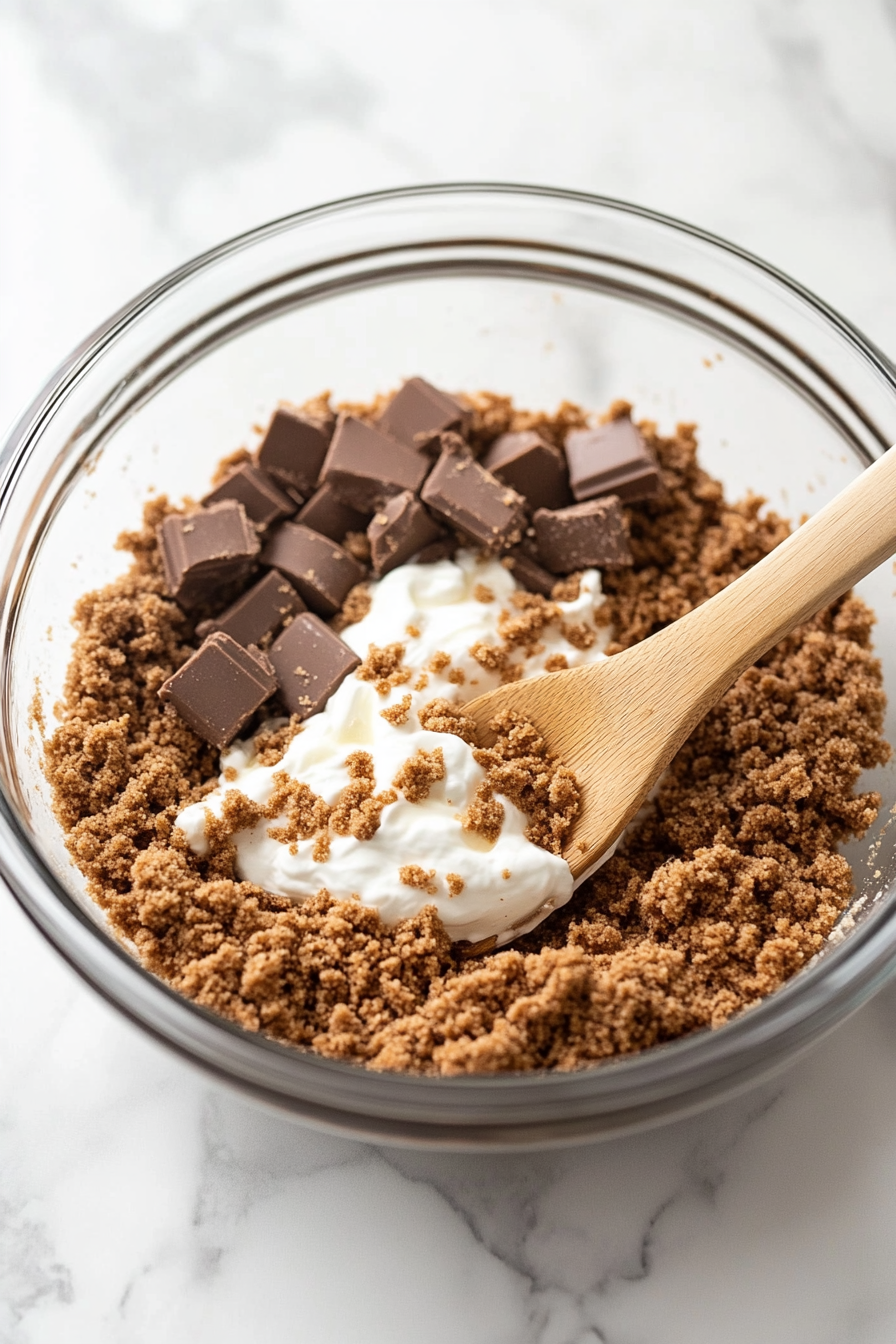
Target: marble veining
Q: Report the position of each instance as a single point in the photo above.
(140, 1202)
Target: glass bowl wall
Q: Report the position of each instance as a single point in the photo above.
(539, 294)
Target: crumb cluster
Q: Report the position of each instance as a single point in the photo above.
(728, 885)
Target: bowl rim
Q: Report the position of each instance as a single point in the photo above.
(838, 984)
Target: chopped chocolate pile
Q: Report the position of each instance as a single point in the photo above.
(728, 885)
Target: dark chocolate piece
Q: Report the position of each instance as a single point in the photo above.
(366, 467)
(265, 503)
(258, 613)
(444, 549)
(311, 662)
(613, 459)
(528, 572)
(294, 448)
(321, 571)
(461, 491)
(586, 534)
(326, 514)
(535, 469)
(205, 553)
(399, 530)
(220, 687)
(419, 409)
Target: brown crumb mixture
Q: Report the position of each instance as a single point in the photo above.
(556, 662)
(455, 883)
(730, 884)
(483, 593)
(354, 608)
(419, 772)
(520, 767)
(485, 815)
(439, 661)
(412, 875)
(358, 810)
(358, 546)
(399, 713)
(440, 716)
(384, 667)
(271, 744)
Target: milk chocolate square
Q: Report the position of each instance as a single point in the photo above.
(366, 467)
(592, 533)
(399, 530)
(321, 572)
(219, 688)
(528, 572)
(326, 514)
(258, 613)
(204, 554)
(464, 494)
(294, 448)
(418, 408)
(534, 468)
(265, 503)
(613, 459)
(311, 662)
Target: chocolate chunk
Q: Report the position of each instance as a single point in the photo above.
(265, 503)
(366, 467)
(419, 409)
(443, 549)
(321, 571)
(613, 459)
(528, 572)
(535, 469)
(311, 662)
(326, 514)
(220, 687)
(399, 530)
(204, 554)
(258, 612)
(294, 448)
(462, 492)
(586, 534)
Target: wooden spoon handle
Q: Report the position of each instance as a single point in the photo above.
(818, 562)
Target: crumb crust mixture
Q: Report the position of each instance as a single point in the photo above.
(729, 884)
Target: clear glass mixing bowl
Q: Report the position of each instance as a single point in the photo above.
(542, 294)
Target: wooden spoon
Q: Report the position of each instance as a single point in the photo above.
(619, 722)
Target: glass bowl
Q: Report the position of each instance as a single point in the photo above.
(538, 293)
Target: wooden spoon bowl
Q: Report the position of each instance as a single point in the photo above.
(618, 723)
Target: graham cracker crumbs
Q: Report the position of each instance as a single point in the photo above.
(418, 774)
(384, 667)
(358, 810)
(506, 874)
(455, 883)
(728, 886)
(358, 546)
(304, 814)
(483, 593)
(422, 682)
(556, 662)
(397, 714)
(520, 767)
(568, 589)
(579, 634)
(270, 744)
(230, 774)
(229, 464)
(485, 815)
(490, 656)
(354, 608)
(439, 661)
(412, 875)
(440, 716)
(413, 631)
(457, 676)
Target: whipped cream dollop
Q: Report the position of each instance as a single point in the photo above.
(481, 887)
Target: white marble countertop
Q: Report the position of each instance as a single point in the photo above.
(137, 1201)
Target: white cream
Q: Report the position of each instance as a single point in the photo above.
(438, 601)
